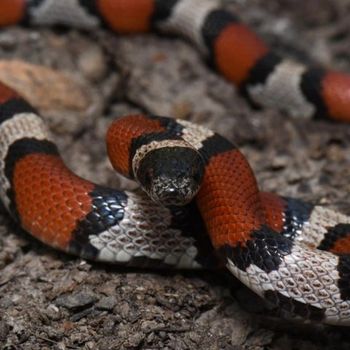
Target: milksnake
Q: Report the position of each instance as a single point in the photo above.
(271, 243)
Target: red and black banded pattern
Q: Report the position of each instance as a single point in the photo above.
(267, 241)
(77, 216)
(256, 234)
(263, 76)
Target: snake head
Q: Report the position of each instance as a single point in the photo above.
(171, 176)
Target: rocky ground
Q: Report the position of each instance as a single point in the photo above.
(80, 82)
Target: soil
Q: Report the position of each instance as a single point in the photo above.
(49, 300)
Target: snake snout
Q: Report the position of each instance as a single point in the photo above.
(170, 192)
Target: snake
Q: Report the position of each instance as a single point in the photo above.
(198, 205)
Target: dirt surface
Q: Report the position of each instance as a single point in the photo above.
(49, 300)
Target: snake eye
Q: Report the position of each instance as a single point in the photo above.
(148, 177)
(197, 171)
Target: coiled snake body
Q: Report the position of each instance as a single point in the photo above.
(267, 241)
